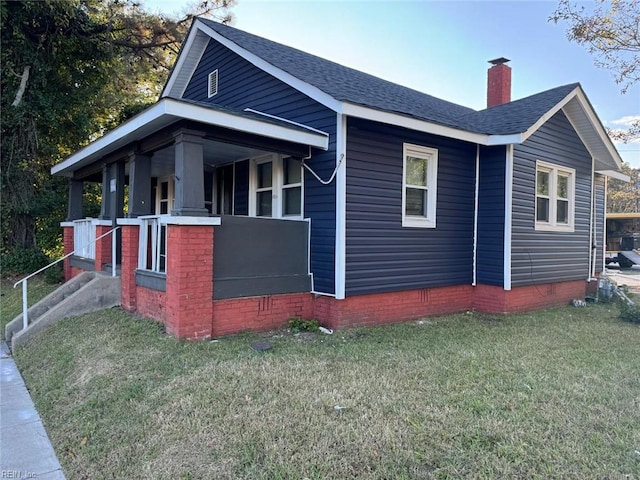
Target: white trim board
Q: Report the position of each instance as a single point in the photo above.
(168, 111)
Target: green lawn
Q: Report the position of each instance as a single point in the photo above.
(553, 394)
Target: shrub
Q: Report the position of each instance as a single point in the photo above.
(297, 325)
(22, 261)
(629, 313)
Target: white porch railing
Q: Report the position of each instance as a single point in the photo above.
(25, 303)
(84, 233)
(152, 254)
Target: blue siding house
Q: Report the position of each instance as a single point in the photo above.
(312, 189)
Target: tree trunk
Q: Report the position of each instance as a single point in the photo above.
(21, 232)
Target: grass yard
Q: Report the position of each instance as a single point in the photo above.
(11, 298)
(552, 394)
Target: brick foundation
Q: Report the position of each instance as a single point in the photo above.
(259, 313)
(383, 308)
(493, 299)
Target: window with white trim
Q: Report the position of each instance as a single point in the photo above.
(555, 197)
(212, 83)
(275, 187)
(419, 183)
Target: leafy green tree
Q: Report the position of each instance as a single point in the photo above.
(624, 197)
(71, 70)
(610, 30)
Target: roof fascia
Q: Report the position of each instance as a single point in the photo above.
(180, 110)
(114, 135)
(614, 174)
(514, 138)
(390, 118)
(309, 90)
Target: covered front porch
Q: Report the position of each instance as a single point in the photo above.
(200, 206)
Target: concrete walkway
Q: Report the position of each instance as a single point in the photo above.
(25, 449)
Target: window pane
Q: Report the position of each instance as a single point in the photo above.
(292, 201)
(563, 211)
(264, 175)
(417, 171)
(543, 183)
(542, 211)
(264, 204)
(164, 207)
(292, 171)
(164, 190)
(416, 202)
(563, 186)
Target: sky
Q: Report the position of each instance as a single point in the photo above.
(441, 47)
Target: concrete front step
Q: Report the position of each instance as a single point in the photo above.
(87, 292)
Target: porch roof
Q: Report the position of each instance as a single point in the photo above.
(168, 111)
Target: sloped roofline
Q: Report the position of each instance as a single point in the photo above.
(575, 105)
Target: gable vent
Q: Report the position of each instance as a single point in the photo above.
(213, 83)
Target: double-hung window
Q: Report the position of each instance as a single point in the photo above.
(276, 187)
(555, 199)
(420, 170)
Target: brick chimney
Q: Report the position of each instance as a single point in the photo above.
(498, 82)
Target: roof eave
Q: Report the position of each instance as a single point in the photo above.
(168, 111)
(587, 125)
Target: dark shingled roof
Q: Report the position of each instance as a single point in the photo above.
(352, 86)
(516, 116)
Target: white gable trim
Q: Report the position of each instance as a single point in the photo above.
(168, 111)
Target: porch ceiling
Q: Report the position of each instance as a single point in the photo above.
(169, 111)
(215, 153)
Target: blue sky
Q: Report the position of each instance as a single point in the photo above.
(441, 47)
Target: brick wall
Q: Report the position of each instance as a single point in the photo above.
(259, 313)
(67, 238)
(103, 247)
(129, 263)
(189, 285)
(151, 303)
(492, 299)
(383, 308)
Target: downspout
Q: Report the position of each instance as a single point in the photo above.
(604, 226)
(592, 229)
(475, 219)
(341, 207)
(508, 215)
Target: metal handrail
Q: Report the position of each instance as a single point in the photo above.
(25, 308)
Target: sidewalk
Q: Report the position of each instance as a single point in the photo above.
(25, 449)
